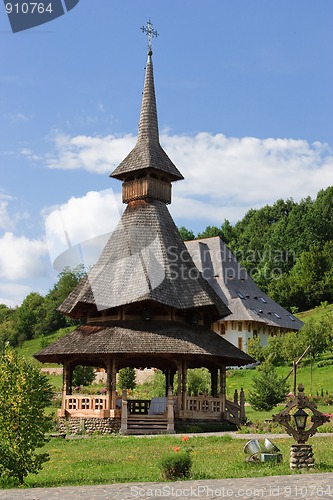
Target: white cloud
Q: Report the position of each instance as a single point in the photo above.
(95, 154)
(9, 220)
(13, 294)
(20, 257)
(77, 231)
(5, 221)
(224, 176)
(19, 117)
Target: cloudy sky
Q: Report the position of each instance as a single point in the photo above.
(245, 112)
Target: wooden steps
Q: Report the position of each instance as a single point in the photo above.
(146, 424)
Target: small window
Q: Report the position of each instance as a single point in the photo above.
(254, 310)
(240, 343)
(240, 326)
(291, 317)
(240, 295)
(263, 300)
(222, 328)
(276, 314)
(255, 334)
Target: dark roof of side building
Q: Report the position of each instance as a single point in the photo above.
(235, 287)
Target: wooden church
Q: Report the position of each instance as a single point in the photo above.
(145, 304)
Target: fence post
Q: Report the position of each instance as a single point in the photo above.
(242, 406)
(171, 419)
(123, 424)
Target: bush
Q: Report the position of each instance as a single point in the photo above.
(177, 463)
(268, 389)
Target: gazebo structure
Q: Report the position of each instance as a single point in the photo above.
(145, 304)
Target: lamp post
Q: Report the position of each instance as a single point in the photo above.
(300, 419)
(301, 455)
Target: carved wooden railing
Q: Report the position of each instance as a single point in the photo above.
(204, 404)
(85, 402)
(138, 406)
(235, 411)
(84, 405)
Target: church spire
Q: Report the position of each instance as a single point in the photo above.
(148, 126)
(147, 160)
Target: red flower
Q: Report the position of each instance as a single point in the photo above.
(176, 448)
(185, 438)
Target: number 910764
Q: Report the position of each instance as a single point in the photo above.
(28, 8)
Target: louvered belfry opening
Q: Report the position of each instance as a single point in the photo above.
(144, 303)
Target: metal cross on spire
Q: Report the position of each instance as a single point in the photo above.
(150, 32)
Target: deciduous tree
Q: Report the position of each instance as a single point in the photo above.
(24, 394)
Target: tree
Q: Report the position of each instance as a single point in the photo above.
(126, 379)
(293, 346)
(198, 381)
(186, 234)
(255, 349)
(29, 315)
(268, 389)
(83, 375)
(24, 394)
(211, 231)
(317, 334)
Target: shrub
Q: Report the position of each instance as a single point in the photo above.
(177, 463)
(268, 389)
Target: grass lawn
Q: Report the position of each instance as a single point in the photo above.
(116, 459)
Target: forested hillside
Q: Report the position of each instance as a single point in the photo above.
(287, 248)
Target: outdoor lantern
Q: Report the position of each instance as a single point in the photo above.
(300, 419)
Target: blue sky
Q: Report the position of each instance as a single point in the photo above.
(245, 112)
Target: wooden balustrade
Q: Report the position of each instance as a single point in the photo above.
(85, 405)
(196, 407)
(138, 406)
(204, 404)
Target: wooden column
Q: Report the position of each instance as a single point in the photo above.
(184, 380)
(242, 405)
(179, 387)
(172, 378)
(113, 384)
(65, 386)
(70, 380)
(169, 380)
(223, 379)
(123, 423)
(213, 380)
(171, 418)
(108, 384)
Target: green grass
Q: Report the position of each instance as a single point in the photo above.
(316, 313)
(322, 378)
(116, 459)
(30, 347)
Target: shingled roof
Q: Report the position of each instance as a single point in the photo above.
(148, 153)
(153, 340)
(235, 287)
(145, 259)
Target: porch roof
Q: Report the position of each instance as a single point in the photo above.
(144, 342)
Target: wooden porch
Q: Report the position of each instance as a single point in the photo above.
(158, 415)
